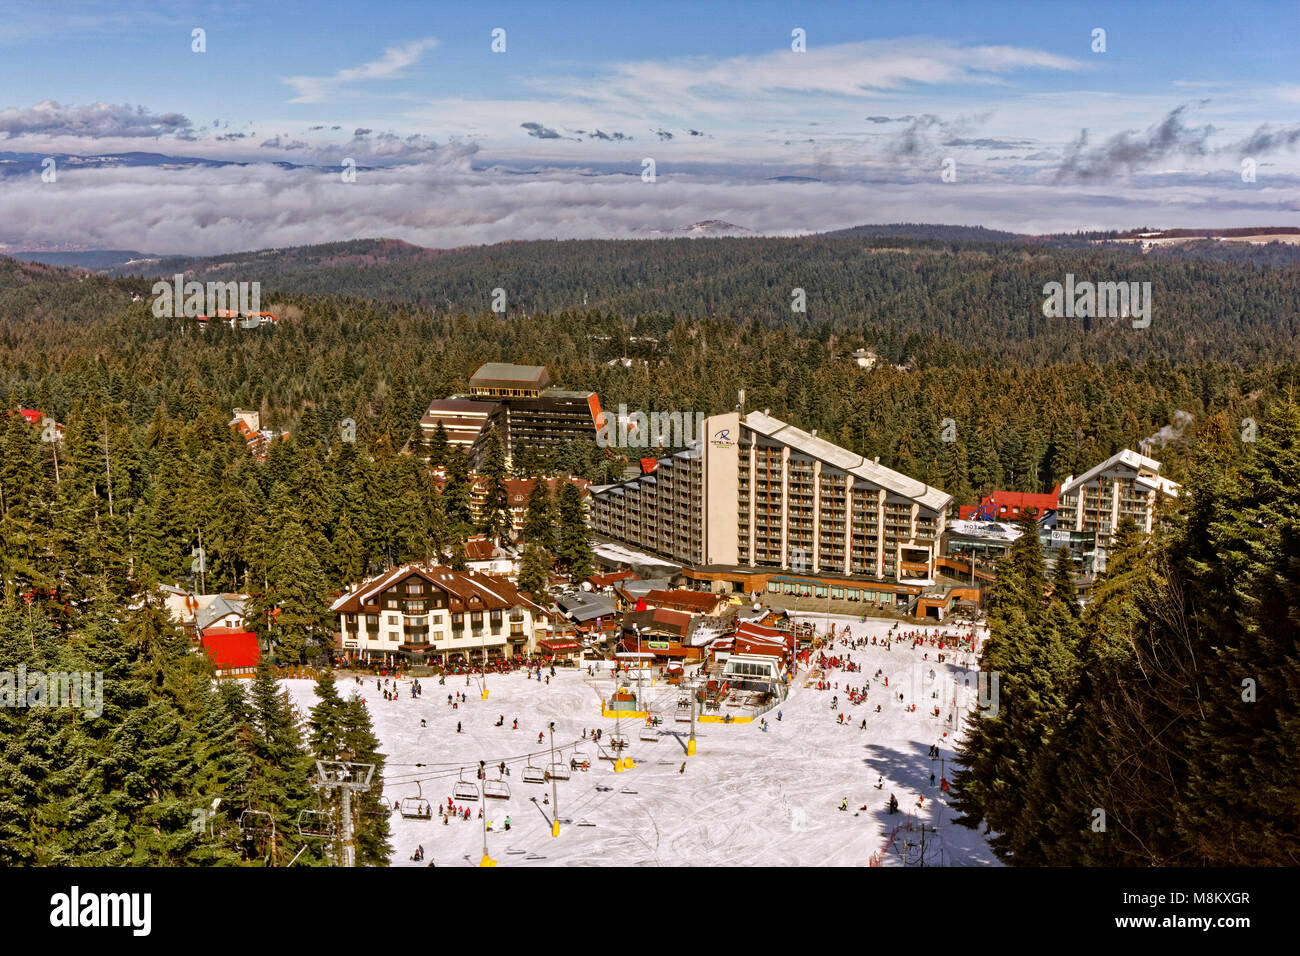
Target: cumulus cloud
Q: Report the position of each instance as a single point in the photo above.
(1131, 150)
(1267, 140)
(98, 120)
(275, 142)
(540, 131)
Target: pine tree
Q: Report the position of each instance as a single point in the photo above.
(278, 782)
(1243, 802)
(496, 520)
(573, 552)
(539, 518)
(369, 808)
(535, 570)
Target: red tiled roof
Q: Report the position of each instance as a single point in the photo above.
(479, 548)
(748, 629)
(467, 590)
(684, 597)
(605, 580)
(1014, 502)
(674, 618)
(230, 648)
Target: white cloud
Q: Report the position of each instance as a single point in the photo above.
(392, 64)
(447, 203)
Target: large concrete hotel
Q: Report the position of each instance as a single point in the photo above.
(1126, 485)
(758, 493)
(521, 403)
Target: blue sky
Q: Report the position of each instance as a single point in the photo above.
(1044, 133)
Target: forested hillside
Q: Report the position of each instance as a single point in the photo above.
(1157, 727)
(968, 303)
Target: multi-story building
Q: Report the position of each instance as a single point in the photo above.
(1126, 485)
(521, 403)
(518, 491)
(462, 420)
(758, 492)
(426, 612)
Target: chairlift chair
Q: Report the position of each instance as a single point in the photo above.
(315, 824)
(579, 761)
(532, 773)
(649, 734)
(416, 807)
(464, 790)
(683, 711)
(497, 789)
(254, 824)
(617, 742)
(559, 770)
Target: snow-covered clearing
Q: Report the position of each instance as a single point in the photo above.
(748, 797)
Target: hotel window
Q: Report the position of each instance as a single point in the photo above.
(391, 603)
(494, 618)
(415, 587)
(458, 621)
(414, 607)
(392, 619)
(372, 620)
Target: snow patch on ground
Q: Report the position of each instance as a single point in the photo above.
(748, 797)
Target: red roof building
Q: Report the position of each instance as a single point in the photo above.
(684, 599)
(35, 417)
(602, 581)
(234, 653)
(1007, 505)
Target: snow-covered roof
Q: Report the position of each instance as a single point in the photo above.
(1130, 459)
(856, 465)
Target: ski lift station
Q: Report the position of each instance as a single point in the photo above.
(756, 669)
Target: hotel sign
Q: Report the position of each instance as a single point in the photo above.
(722, 438)
(657, 645)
